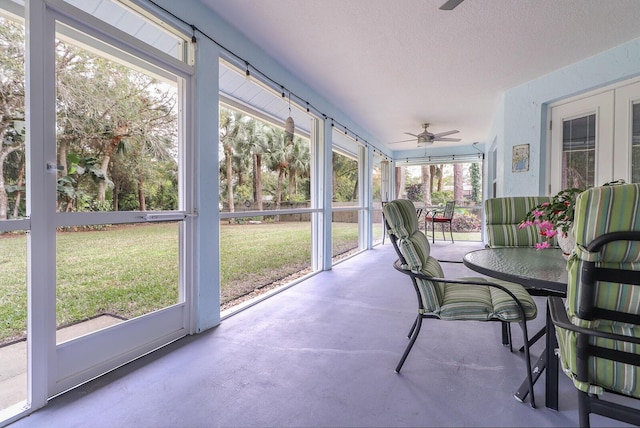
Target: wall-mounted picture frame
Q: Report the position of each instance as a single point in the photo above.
(520, 158)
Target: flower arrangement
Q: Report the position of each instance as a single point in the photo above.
(554, 216)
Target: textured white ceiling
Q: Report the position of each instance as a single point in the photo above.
(392, 65)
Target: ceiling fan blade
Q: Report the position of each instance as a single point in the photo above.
(450, 4)
(413, 135)
(444, 134)
(402, 141)
(447, 139)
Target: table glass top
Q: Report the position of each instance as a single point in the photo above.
(528, 266)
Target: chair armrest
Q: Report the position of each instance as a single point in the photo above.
(560, 319)
(398, 266)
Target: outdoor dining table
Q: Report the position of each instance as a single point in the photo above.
(542, 273)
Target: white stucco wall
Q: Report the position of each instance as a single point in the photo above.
(522, 117)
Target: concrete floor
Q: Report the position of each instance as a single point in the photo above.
(322, 354)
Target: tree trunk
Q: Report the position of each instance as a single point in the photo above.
(141, 202)
(458, 183)
(16, 207)
(432, 169)
(399, 179)
(258, 180)
(121, 132)
(426, 182)
(229, 166)
(279, 191)
(292, 185)
(4, 199)
(115, 196)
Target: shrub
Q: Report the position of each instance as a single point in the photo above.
(466, 223)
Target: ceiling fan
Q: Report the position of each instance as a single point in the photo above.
(450, 4)
(426, 137)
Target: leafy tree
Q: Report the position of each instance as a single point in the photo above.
(230, 134)
(106, 108)
(12, 109)
(476, 184)
(345, 178)
(277, 157)
(299, 164)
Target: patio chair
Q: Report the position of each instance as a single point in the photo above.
(502, 217)
(441, 217)
(471, 299)
(598, 327)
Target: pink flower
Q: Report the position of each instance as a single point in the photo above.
(551, 233)
(542, 245)
(546, 225)
(537, 213)
(525, 224)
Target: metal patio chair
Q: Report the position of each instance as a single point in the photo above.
(441, 217)
(598, 327)
(471, 299)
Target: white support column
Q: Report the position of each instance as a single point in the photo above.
(326, 196)
(366, 215)
(41, 202)
(207, 299)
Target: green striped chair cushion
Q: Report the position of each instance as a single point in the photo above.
(602, 210)
(598, 211)
(402, 219)
(432, 291)
(603, 374)
(503, 216)
(479, 303)
(608, 209)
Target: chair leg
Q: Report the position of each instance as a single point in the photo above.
(416, 331)
(584, 408)
(523, 326)
(413, 327)
(506, 335)
(433, 231)
(450, 231)
(444, 238)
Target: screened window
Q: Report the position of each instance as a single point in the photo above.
(117, 130)
(579, 152)
(265, 189)
(13, 198)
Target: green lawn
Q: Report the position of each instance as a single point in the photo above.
(131, 270)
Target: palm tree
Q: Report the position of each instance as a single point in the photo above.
(299, 164)
(230, 134)
(253, 146)
(277, 158)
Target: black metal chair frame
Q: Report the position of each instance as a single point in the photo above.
(422, 312)
(442, 217)
(590, 403)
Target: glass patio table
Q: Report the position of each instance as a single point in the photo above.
(542, 273)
